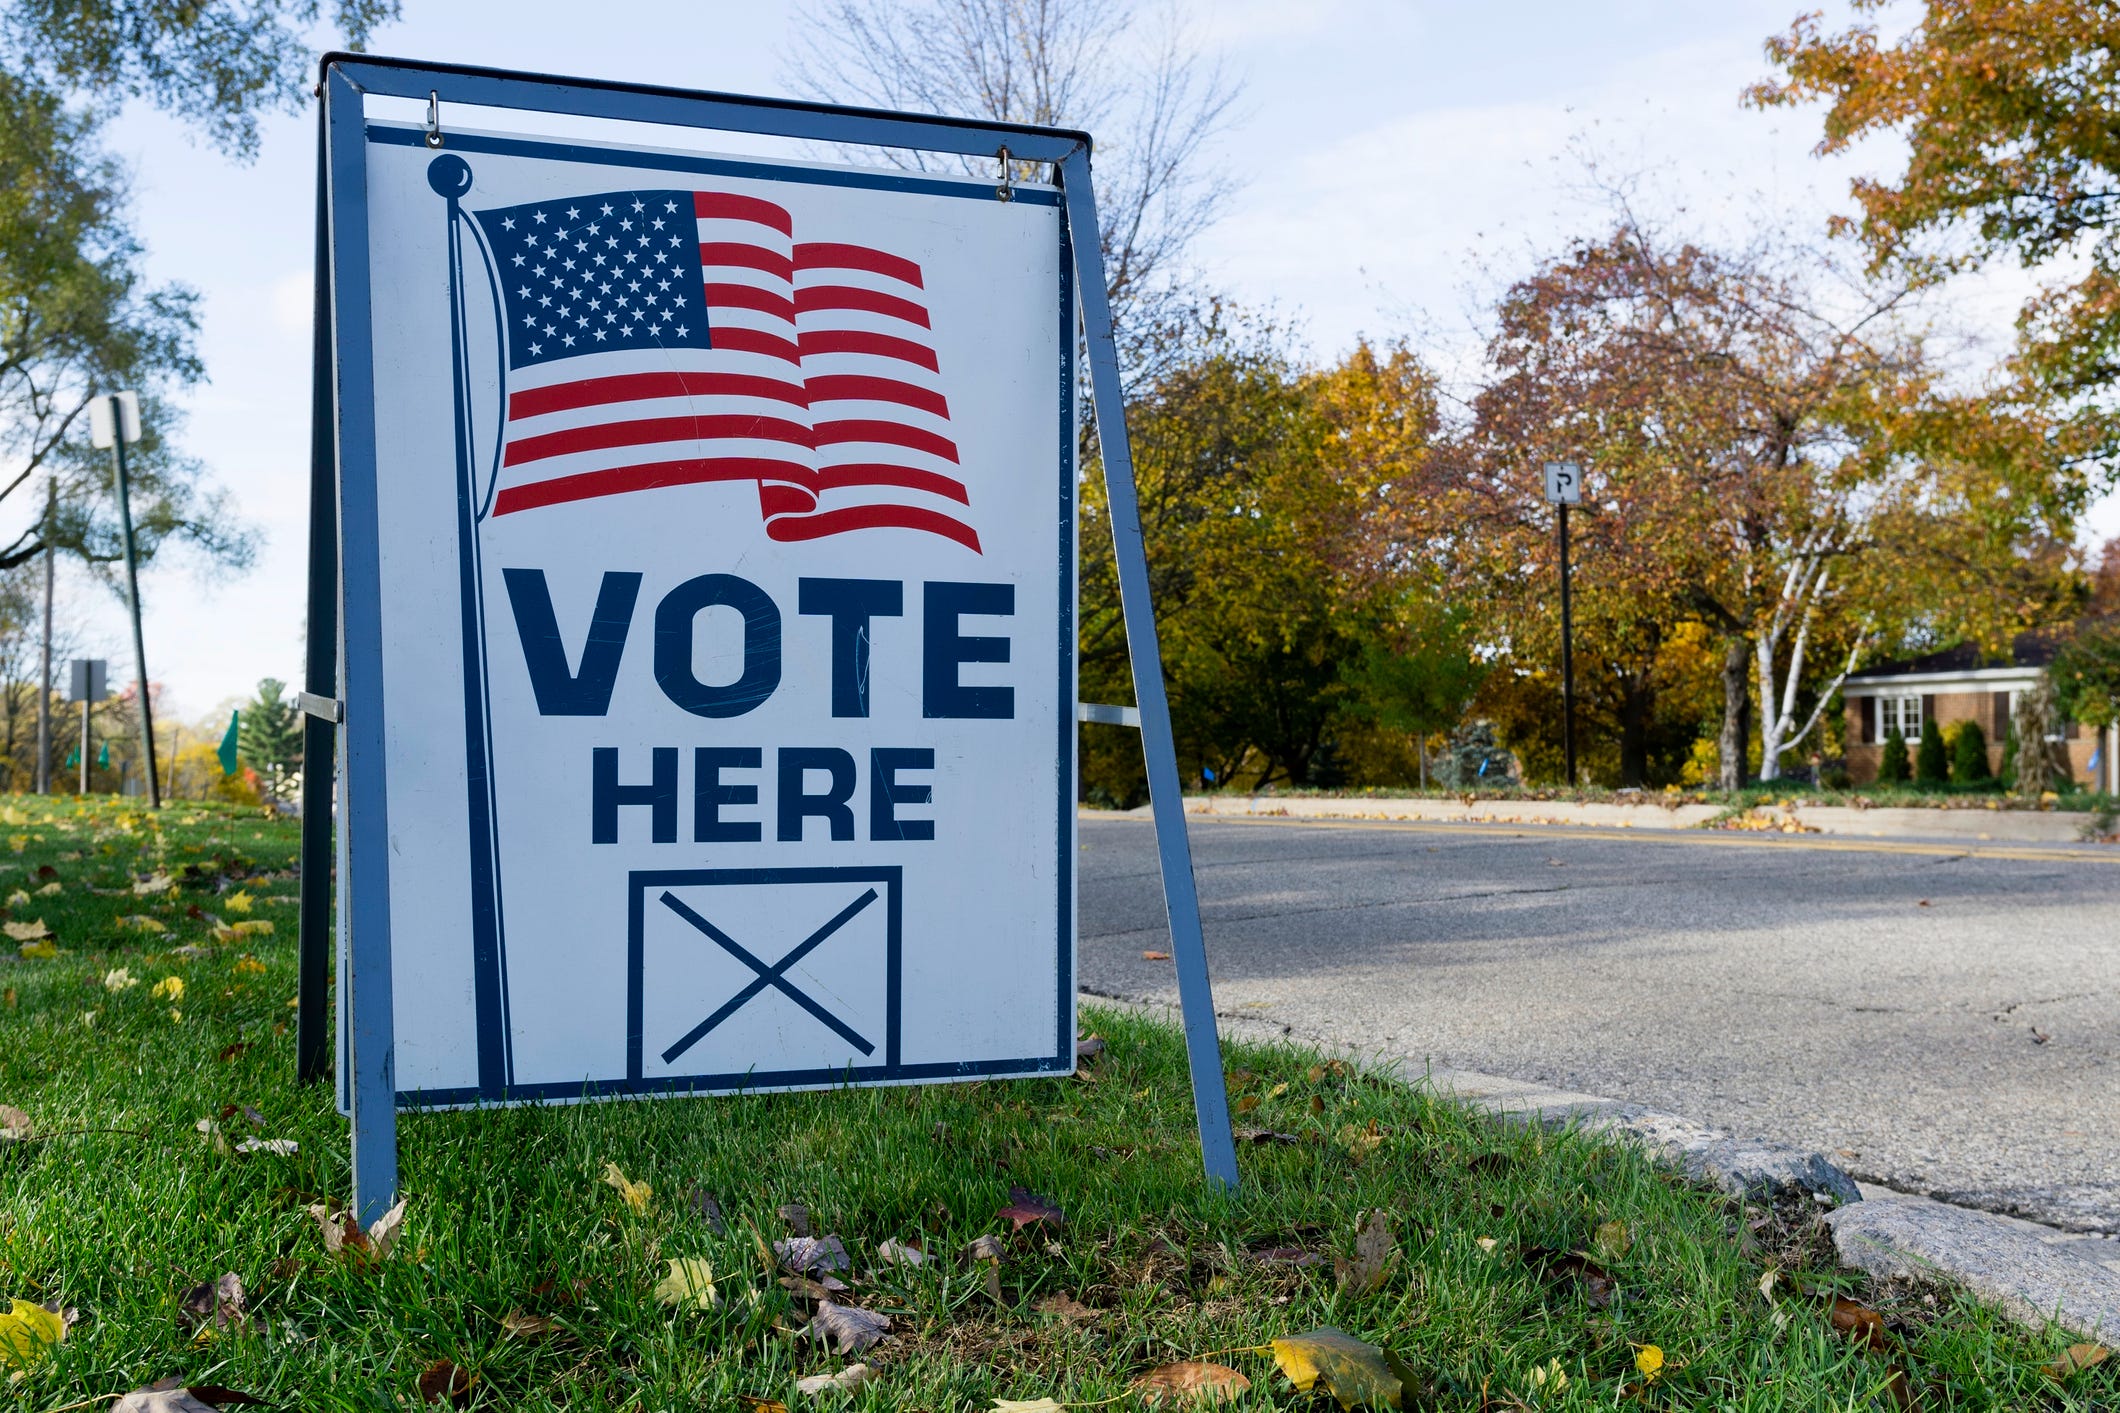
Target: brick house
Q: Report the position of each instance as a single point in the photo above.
(1936, 690)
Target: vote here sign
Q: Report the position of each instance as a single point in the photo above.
(723, 511)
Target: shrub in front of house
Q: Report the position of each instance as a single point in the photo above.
(1892, 765)
(1932, 765)
(1969, 762)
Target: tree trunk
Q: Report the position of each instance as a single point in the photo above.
(1737, 711)
(1637, 700)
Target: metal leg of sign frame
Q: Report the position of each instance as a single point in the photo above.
(343, 564)
(312, 1046)
(1181, 899)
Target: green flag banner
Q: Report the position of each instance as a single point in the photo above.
(103, 759)
(74, 758)
(227, 752)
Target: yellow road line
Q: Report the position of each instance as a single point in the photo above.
(1712, 837)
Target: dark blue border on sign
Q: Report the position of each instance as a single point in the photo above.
(366, 697)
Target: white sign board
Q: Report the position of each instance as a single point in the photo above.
(1564, 483)
(723, 516)
(107, 414)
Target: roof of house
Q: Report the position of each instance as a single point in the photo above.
(2028, 651)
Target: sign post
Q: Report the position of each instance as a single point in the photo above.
(87, 683)
(744, 758)
(1564, 487)
(114, 421)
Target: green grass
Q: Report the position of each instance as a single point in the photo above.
(508, 1213)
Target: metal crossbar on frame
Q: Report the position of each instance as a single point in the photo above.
(345, 629)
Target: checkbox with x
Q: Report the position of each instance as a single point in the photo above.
(761, 971)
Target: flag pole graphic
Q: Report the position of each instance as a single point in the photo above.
(450, 176)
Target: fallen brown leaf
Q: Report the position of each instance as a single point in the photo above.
(445, 1382)
(1026, 1208)
(847, 1329)
(797, 1217)
(704, 1206)
(1375, 1254)
(2075, 1359)
(214, 1304)
(853, 1376)
(1263, 1135)
(1194, 1381)
(1352, 1372)
(1155, 956)
(812, 1255)
(985, 1248)
(1066, 1308)
(1858, 1322)
(1599, 1287)
(1089, 1047)
(517, 1325)
(15, 1126)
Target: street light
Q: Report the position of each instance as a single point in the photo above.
(112, 422)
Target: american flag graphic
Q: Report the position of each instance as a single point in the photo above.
(668, 338)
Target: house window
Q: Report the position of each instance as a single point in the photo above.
(1899, 713)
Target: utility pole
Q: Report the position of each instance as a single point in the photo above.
(120, 422)
(1564, 487)
(44, 697)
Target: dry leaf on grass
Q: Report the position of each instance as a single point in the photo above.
(1089, 1047)
(343, 1235)
(2075, 1359)
(1612, 1241)
(1375, 1254)
(1027, 1405)
(752, 1403)
(517, 1325)
(1066, 1308)
(847, 1329)
(34, 931)
(27, 1334)
(690, 1282)
(1649, 1362)
(444, 1382)
(985, 1248)
(1026, 1208)
(1858, 1322)
(1196, 1381)
(1599, 1288)
(1263, 1135)
(214, 1304)
(853, 1376)
(812, 1255)
(797, 1217)
(1351, 1371)
(153, 883)
(170, 1396)
(703, 1205)
(43, 951)
(898, 1253)
(277, 1147)
(15, 1126)
(636, 1194)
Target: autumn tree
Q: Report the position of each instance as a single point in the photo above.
(1768, 457)
(2009, 111)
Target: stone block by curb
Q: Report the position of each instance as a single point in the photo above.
(2035, 1273)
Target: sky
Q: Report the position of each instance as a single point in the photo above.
(1390, 162)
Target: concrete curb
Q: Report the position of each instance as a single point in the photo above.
(2036, 1274)
(1996, 825)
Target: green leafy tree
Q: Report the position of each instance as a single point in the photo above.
(1969, 755)
(1932, 764)
(1892, 766)
(1421, 673)
(269, 737)
(2086, 675)
(218, 64)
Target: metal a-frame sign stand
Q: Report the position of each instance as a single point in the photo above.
(343, 573)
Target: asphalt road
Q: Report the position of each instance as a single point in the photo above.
(1939, 1019)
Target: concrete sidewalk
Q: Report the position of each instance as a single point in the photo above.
(1997, 825)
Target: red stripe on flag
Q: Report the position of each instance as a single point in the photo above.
(828, 255)
(868, 301)
(639, 387)
(865, 429)
(753, 341)
(749, 257)
(750, 297)
(873, 473)
(727, 206)
(650, 476)
(859, 341)
(850, 387)
(647, 430)
(818, 524)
